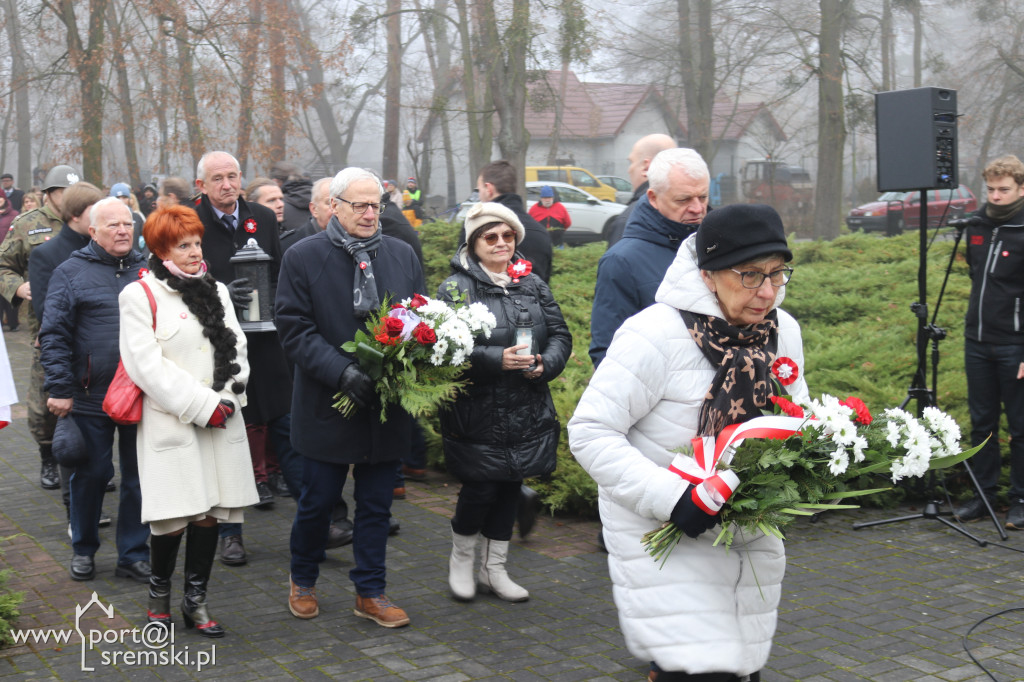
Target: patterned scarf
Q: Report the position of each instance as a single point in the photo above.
(742, 386)
(364, 293)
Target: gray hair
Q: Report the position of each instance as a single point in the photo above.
(255, 188)
(347, 176)
(98, 206)
(687, 160)
(319, 186)
(201, 166)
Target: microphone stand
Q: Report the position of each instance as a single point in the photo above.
(919, 390)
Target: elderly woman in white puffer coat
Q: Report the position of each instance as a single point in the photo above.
(697, 360)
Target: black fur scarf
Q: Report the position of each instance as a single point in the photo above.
(199, 294)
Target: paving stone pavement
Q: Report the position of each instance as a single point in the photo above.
(889, 603)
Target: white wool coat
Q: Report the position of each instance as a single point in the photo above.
(184, 468)
(709, 609)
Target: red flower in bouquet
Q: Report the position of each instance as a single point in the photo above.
(858, 406)
(389, 331)
(424, 334)
(785, 370)
(521, 268)
(788, 407)
(417, 301)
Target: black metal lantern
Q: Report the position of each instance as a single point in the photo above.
(252, 263)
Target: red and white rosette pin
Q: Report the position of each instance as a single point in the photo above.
(143, 272)
(250, 226)
(521, 268)
(785, 370)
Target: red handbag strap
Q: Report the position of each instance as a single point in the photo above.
(152, 301)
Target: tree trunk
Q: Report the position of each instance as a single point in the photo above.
(279, 114)
(250, 52)
(886, 40)
(393, 90)
(19, 88)
(124, 104)
(698, 75)
(831, 120)
(479, 109)
(556, 132)
(185, 78)
(314, 72)
(507, 76)
(87, 61)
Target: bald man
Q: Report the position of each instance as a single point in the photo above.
(644, 149)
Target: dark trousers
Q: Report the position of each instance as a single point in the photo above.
(992, 387)
(88, 484)
(278, 432)
(667, 676)
(488, 508)
(373, 492)
(417, 455)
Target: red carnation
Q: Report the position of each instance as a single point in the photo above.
(417, 301)
(424, 334)
(788, 407)
(393, 326)
(858, 406)
(382, 337)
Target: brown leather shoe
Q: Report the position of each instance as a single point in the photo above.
(399, 493)
(381, 611)
(414, 474)
(302, 601)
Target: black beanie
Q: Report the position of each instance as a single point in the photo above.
(739, 233)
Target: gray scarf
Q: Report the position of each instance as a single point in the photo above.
(364, 294)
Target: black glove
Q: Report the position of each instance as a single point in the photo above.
(357, 385)
(690, 518)
(221, 414)
(239, 291)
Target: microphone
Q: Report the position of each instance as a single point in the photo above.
(961, 223)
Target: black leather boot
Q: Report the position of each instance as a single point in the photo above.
(200, 549)
(49, 478)
(163, 555)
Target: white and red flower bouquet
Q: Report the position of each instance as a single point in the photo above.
(761, 474)
(416, 351)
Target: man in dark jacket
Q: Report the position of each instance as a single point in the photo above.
(497, 182)
(296, 188)
(629, 273)
(79, 340)
(994, 337)
(319, 215)
(77, 201)
(640, 156)
(330, 284)
(14, 195)
(230, 222)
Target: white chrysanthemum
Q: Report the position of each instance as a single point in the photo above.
(440, 348)
(860, 444)
(944, 429)
(457, 334)
(894, 434)
(479, 318)
(436, 311)
(458, 357)
(838, 462)
(844, 432)
(899, 415)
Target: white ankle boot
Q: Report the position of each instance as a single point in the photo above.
(460, 566)
(492, 572)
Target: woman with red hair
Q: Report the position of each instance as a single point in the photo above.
(184, 348)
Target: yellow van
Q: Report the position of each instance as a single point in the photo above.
(574, 176)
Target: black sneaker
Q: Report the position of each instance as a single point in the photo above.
(277, 485)
(972, 510)
(1015, 517)
(49, 479)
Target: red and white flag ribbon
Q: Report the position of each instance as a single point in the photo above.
(712, 488)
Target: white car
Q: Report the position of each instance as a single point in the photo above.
(591, 217)
(623, 189)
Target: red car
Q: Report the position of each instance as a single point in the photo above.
(943, 205)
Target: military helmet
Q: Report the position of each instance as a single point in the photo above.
(60, 176)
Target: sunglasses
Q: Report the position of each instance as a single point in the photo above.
(492, 238)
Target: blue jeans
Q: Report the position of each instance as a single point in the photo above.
(417, 456)
(321, 485)
(993, 386)
(88, 484)
(279, 433)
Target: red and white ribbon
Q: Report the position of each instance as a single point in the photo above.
(712, 488)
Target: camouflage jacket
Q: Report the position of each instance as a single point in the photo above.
(28, 231)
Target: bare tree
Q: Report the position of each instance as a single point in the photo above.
(831, 118)
(19, 90)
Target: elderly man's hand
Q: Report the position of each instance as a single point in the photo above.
(24, 291)
(60, 406)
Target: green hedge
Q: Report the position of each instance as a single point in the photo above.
(852, 297)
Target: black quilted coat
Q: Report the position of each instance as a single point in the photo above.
(504, 426)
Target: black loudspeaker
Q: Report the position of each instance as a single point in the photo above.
(916, 139)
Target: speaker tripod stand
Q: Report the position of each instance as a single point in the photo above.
(924, 395)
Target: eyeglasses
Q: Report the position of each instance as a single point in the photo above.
(752, 279)
(492, 237)
(360, 206)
